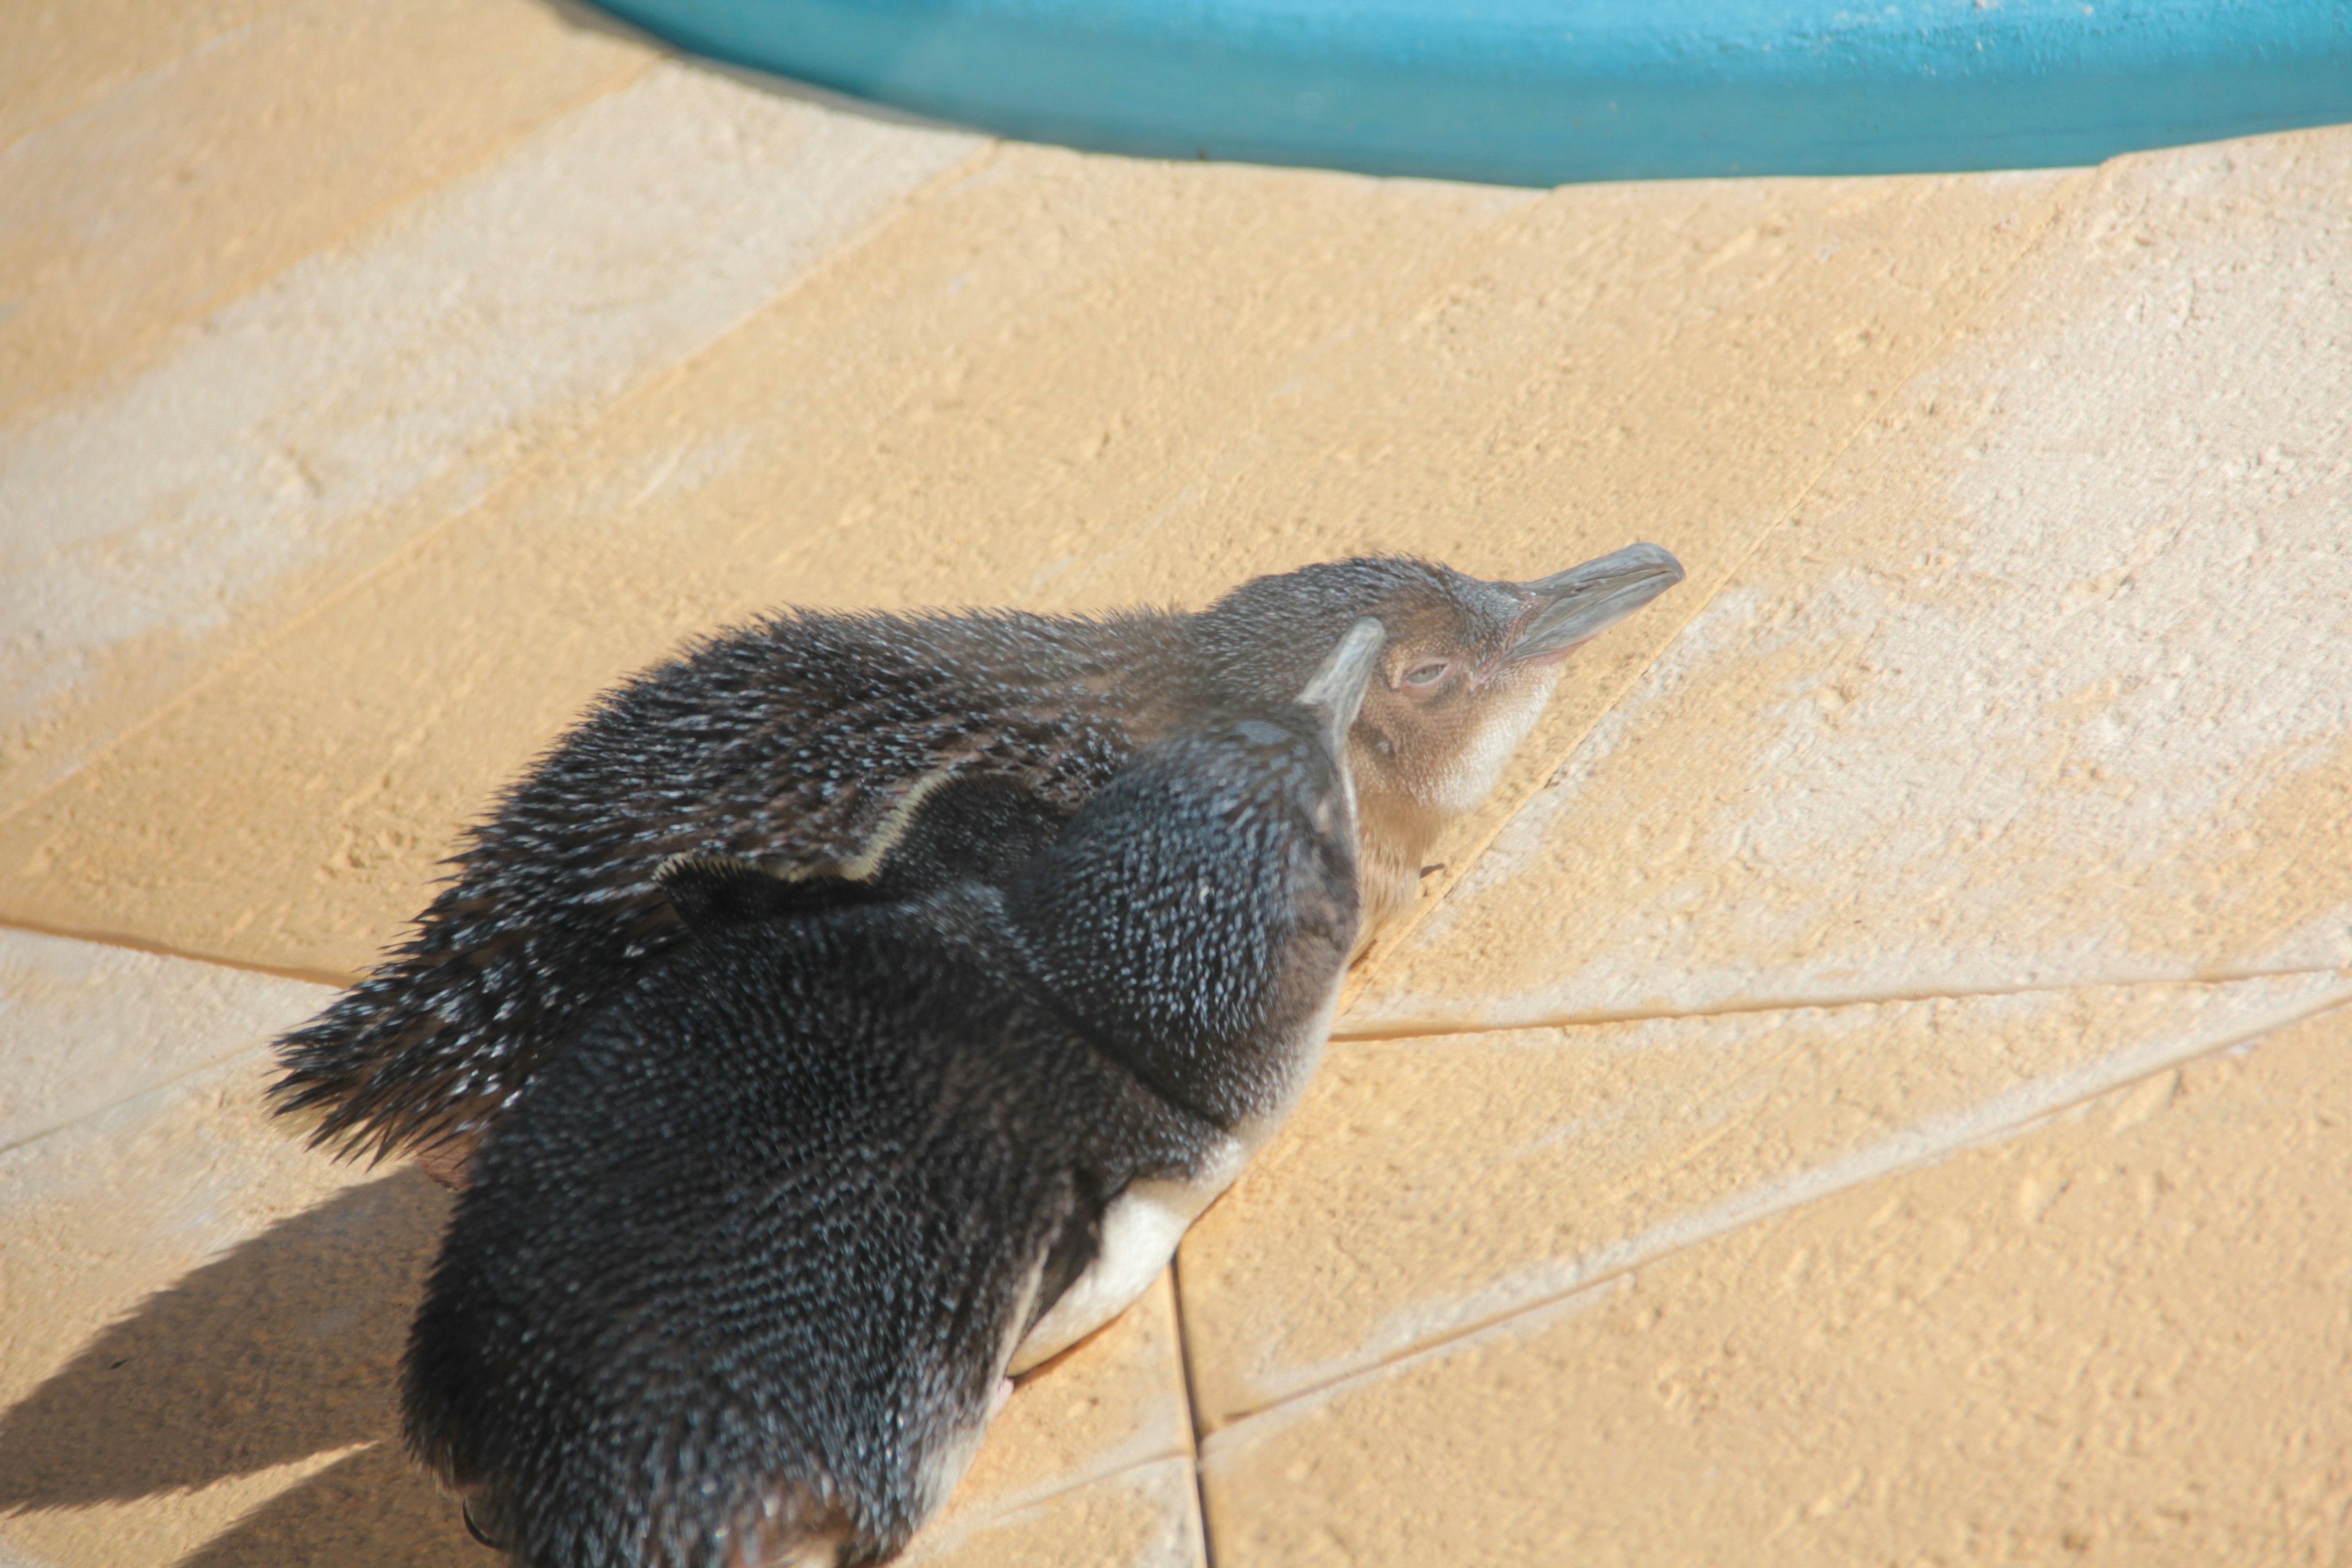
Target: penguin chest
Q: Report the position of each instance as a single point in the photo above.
(1139, 1232)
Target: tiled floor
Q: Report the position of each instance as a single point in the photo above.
(1873, 1087)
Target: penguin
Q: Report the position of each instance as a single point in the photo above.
(804, 744)
(743, 1273)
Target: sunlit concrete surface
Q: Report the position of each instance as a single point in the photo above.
(1870, 1088)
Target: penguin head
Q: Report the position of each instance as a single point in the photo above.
(1196, 915)
(1464, 675)
(1467, 669)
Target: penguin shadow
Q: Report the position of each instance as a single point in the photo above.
(287, 1347)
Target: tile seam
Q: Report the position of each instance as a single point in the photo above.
(133, 354)
(1427, 1028)
(1361, 981)
(275, 637)
(1192, 1432)
(992, 1514)
(131, 942)
(146, 1089)
(1610, 1278)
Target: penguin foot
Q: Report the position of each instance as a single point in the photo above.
(474, 1528)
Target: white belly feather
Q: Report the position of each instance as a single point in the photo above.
(1139, 1232)
(1143, 1224)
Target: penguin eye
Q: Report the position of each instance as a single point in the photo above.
(1421, 677)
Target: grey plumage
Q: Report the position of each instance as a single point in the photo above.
(795, 743)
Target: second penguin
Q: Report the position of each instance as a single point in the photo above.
(875, 1157)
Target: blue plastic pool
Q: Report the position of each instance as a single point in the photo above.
(1540, 92)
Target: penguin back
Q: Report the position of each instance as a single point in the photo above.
(790, 742)
(737, 1276)
(1198, 913)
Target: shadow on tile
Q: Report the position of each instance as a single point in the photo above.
(285, 1347)
(374, 1509)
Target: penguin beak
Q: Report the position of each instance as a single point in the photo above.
(1336, 691)
(1588, 600)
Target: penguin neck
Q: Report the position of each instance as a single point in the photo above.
(1244, 1087)
(1167, 1081)
(1393, 830)
(1393, 836)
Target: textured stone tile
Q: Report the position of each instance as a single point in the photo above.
(368, 1507)
(162, 521)
(196, 1315)
(1062, 382)
(1111, 1403)
(1428, 1186)
(183, 188)
(2120, 1337)
(2045, 683)
(201, 1323)
(83, 1025)
(59, 55)
(1144, 1517)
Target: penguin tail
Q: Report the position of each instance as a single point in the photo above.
(430, 1047)
(355, 1069)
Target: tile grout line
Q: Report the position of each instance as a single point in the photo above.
(145, 1088)
(1765, 1203)
(1375, 1033)
(1360, 980)
(416, 545)
(130, 944)
(992, 1515)
(1430, 1028)
(1192, 1432)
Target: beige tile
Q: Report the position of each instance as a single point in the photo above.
(1430, 1187)
(201, 1323)
(2120, 1337)
(59, 55)
(366, 1508)
(197, 1316)
(1113, 1403)
(124, 1202)
(2044, 683)
(1148, 1516)
(164, 521)
(1060, 382)
(183, 188)
(83, 1025)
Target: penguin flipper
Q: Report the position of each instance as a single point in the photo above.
(714, 892)
(954, 828)
(947, 829)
